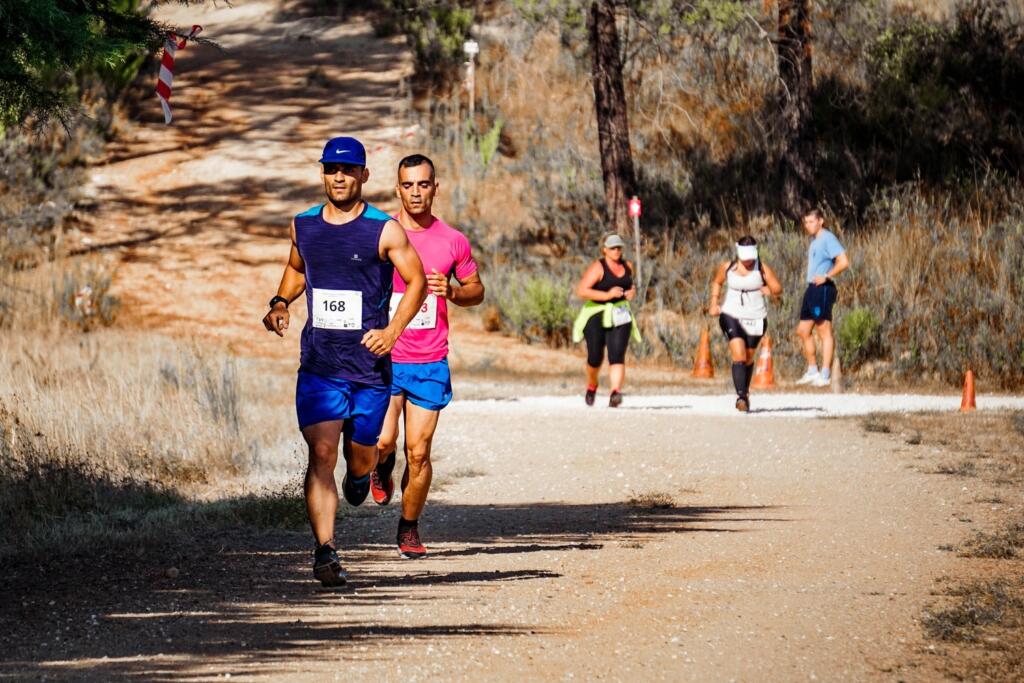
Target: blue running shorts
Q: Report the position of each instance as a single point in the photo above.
(362, 406)
(427, 385)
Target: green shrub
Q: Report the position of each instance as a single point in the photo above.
(435, 32)
(537, 308)
(858, 336)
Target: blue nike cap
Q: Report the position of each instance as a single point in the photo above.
(344, 151)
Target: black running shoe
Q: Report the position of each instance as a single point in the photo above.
(743, 404)
(615, 400)
(355, 492)
(589, 396)
(327, 567)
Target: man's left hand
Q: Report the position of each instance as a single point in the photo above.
(437, 284)
(820, 280)
(379, 342)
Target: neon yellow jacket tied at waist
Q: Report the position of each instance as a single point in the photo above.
(592, 308)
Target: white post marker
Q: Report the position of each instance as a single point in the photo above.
(635, 209)
(472, 49)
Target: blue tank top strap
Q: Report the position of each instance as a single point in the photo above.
(376, 214)
(312, 211)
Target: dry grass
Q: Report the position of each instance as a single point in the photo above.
(702, 131)
(963, 468)
(111, 437)
(978, 605)
(980, 618)
(114, 438)
(652, 500)
(1001, 545)
(131, 401)
(877, 424)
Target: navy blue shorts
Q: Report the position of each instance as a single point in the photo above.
(427, 385)
(818, 302)
(361, 406)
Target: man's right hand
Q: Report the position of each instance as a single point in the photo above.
(714, 310)
(276, 320)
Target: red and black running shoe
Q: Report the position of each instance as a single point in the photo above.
(590, 395)
(615, 400)
(382, 484)
(409, 545)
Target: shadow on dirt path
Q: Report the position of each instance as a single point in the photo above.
(243, 599)
(199, 210)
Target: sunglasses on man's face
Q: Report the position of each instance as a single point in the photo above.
(334, 169)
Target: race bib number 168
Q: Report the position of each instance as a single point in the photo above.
(337, 309)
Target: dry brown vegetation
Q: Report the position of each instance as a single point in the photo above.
(977, 618)
(524, 178)
(111, 437)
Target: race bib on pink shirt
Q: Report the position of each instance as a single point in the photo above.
(446, 250)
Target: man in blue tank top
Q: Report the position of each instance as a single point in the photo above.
(343, 256)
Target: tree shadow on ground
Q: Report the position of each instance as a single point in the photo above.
(240, 597)
(241, 157)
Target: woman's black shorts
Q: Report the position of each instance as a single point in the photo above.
(598, 337)
(734, 330)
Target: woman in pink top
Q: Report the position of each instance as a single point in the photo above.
(421, 385)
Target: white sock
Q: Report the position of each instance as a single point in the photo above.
(812, 369)
(826, 373)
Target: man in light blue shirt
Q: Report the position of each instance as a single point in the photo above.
(826, 258)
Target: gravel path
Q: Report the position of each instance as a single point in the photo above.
(762, 405)
(564, 545)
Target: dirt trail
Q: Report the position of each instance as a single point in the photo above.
(200, 209)
(802, 549)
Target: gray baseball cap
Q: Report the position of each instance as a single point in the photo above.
(613, 240)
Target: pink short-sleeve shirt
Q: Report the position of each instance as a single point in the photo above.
(446, 250)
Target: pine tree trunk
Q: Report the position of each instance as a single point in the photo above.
(612, 124)
(794, 47)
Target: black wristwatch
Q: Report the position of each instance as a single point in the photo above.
(277, 299)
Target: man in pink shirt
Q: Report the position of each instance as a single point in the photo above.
(421, 385)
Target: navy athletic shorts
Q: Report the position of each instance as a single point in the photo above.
(818, 302)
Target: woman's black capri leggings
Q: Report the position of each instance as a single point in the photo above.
(597, 337)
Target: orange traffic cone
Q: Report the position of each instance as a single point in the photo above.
(967, 403)
(702, 367)
(764, 374)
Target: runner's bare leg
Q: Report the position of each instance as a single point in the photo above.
(420, 424)
(616, 376)
(321, 490)
(388, 441)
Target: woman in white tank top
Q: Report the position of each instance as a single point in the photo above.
(744, 315)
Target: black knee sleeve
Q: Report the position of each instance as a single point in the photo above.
(739, 377)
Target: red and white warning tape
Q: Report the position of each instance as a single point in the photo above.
(166, 78)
